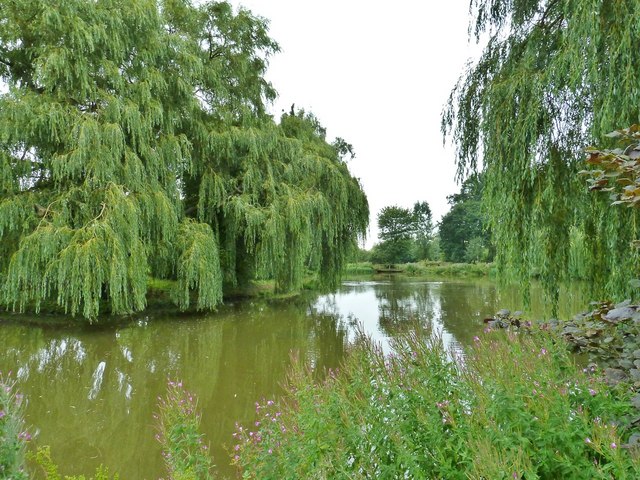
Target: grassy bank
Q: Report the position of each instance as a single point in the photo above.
(425, 269)
(159, 304)
(160, 291)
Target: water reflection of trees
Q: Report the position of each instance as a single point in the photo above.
(93, 393)
(404, 305)
(458, 307)
(464, 305)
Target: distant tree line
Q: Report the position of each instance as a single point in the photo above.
(409, 235)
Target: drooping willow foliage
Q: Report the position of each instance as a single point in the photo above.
(134, 142)
(555, 77)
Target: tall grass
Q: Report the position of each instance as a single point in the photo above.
(514, 407)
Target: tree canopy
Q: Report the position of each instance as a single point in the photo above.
(405, 234)
(464, 234)
(134, 141)
(396, 223)
(554, 77)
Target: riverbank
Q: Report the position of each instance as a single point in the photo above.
(159, 305)
(160, 292)
(423, 270)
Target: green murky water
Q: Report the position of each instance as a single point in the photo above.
(92, 391)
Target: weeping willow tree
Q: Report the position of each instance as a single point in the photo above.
(134, 142)
(555, 76)
(281, 199)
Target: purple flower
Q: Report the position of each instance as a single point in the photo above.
(543, 351)
(2, 414)
(476, 339)
(587, 440)
(592, 392)
(613, 445)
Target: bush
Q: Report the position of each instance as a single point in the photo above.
(360, 268)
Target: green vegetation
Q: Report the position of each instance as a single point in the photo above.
(463, 234)
(427, 270)
(405, 235)
(617, 170)
(359, 268)
(13, 436)
(185, 454)
(456, 270)
(50, 469)
(514, 407)
(554, 77)
(135, 143)
(137, 163)
(463, 230)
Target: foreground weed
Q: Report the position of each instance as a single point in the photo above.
(535, 415)
(13, 436)
(42, 458)
(185, 453)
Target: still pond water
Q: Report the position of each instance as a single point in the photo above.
(92, 391)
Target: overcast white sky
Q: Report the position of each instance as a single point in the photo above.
(377, 74)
